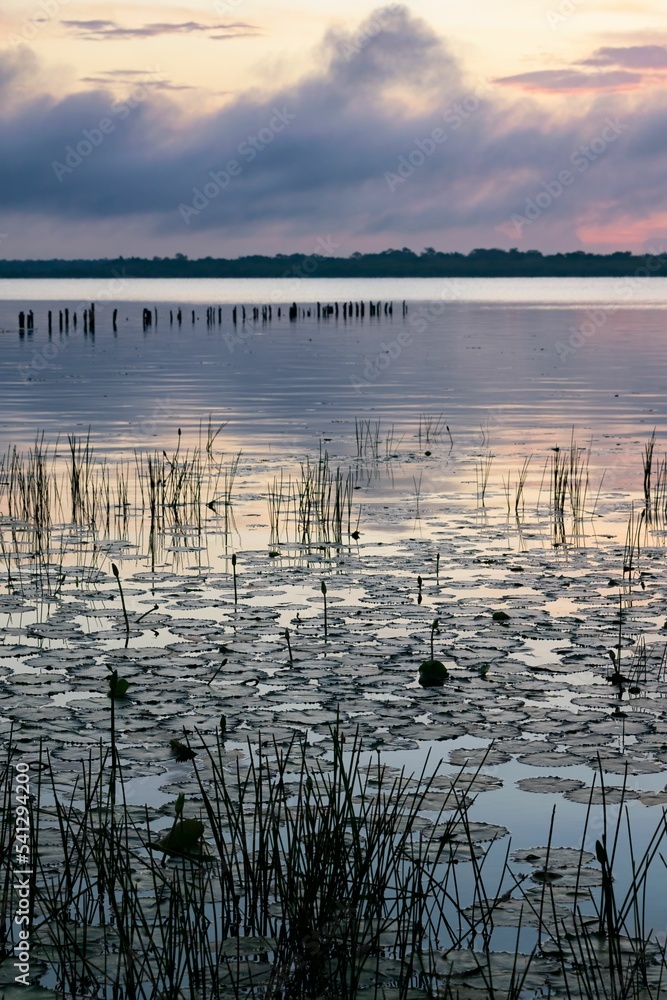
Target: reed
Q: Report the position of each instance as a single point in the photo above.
(367, 435)
(482, 472)
(647, 462)
(313, 508)
(431, 428)
(284, 878)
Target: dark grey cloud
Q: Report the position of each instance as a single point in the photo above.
(561, 80)
(388, 142)
(102, 30)
(630, 57)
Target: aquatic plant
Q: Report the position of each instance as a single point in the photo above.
(294, 879)
(116, 574)
(431, 428)
(482, 472)
(432, 672)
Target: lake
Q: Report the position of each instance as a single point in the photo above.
(485, 353)
(487, 454)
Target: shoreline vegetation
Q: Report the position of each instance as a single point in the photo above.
(386, 264)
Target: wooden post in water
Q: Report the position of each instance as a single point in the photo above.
(114, 320)
(66, 320)
(50, 323)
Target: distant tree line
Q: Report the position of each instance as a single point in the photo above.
(403, 263)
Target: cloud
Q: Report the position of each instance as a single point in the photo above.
(129, 78)
(631, 57)
(564, 80)
(388, 142)
(102, 30)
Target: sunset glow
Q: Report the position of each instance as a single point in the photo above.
(186, 88)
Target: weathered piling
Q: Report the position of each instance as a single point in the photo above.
(114, 320)
(50, 323)
(21, 322)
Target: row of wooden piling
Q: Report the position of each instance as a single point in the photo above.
(27, 320)
(324, 311)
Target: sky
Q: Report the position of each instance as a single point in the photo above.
(232, 127)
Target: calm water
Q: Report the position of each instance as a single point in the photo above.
(509, 367)
(512, 364)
